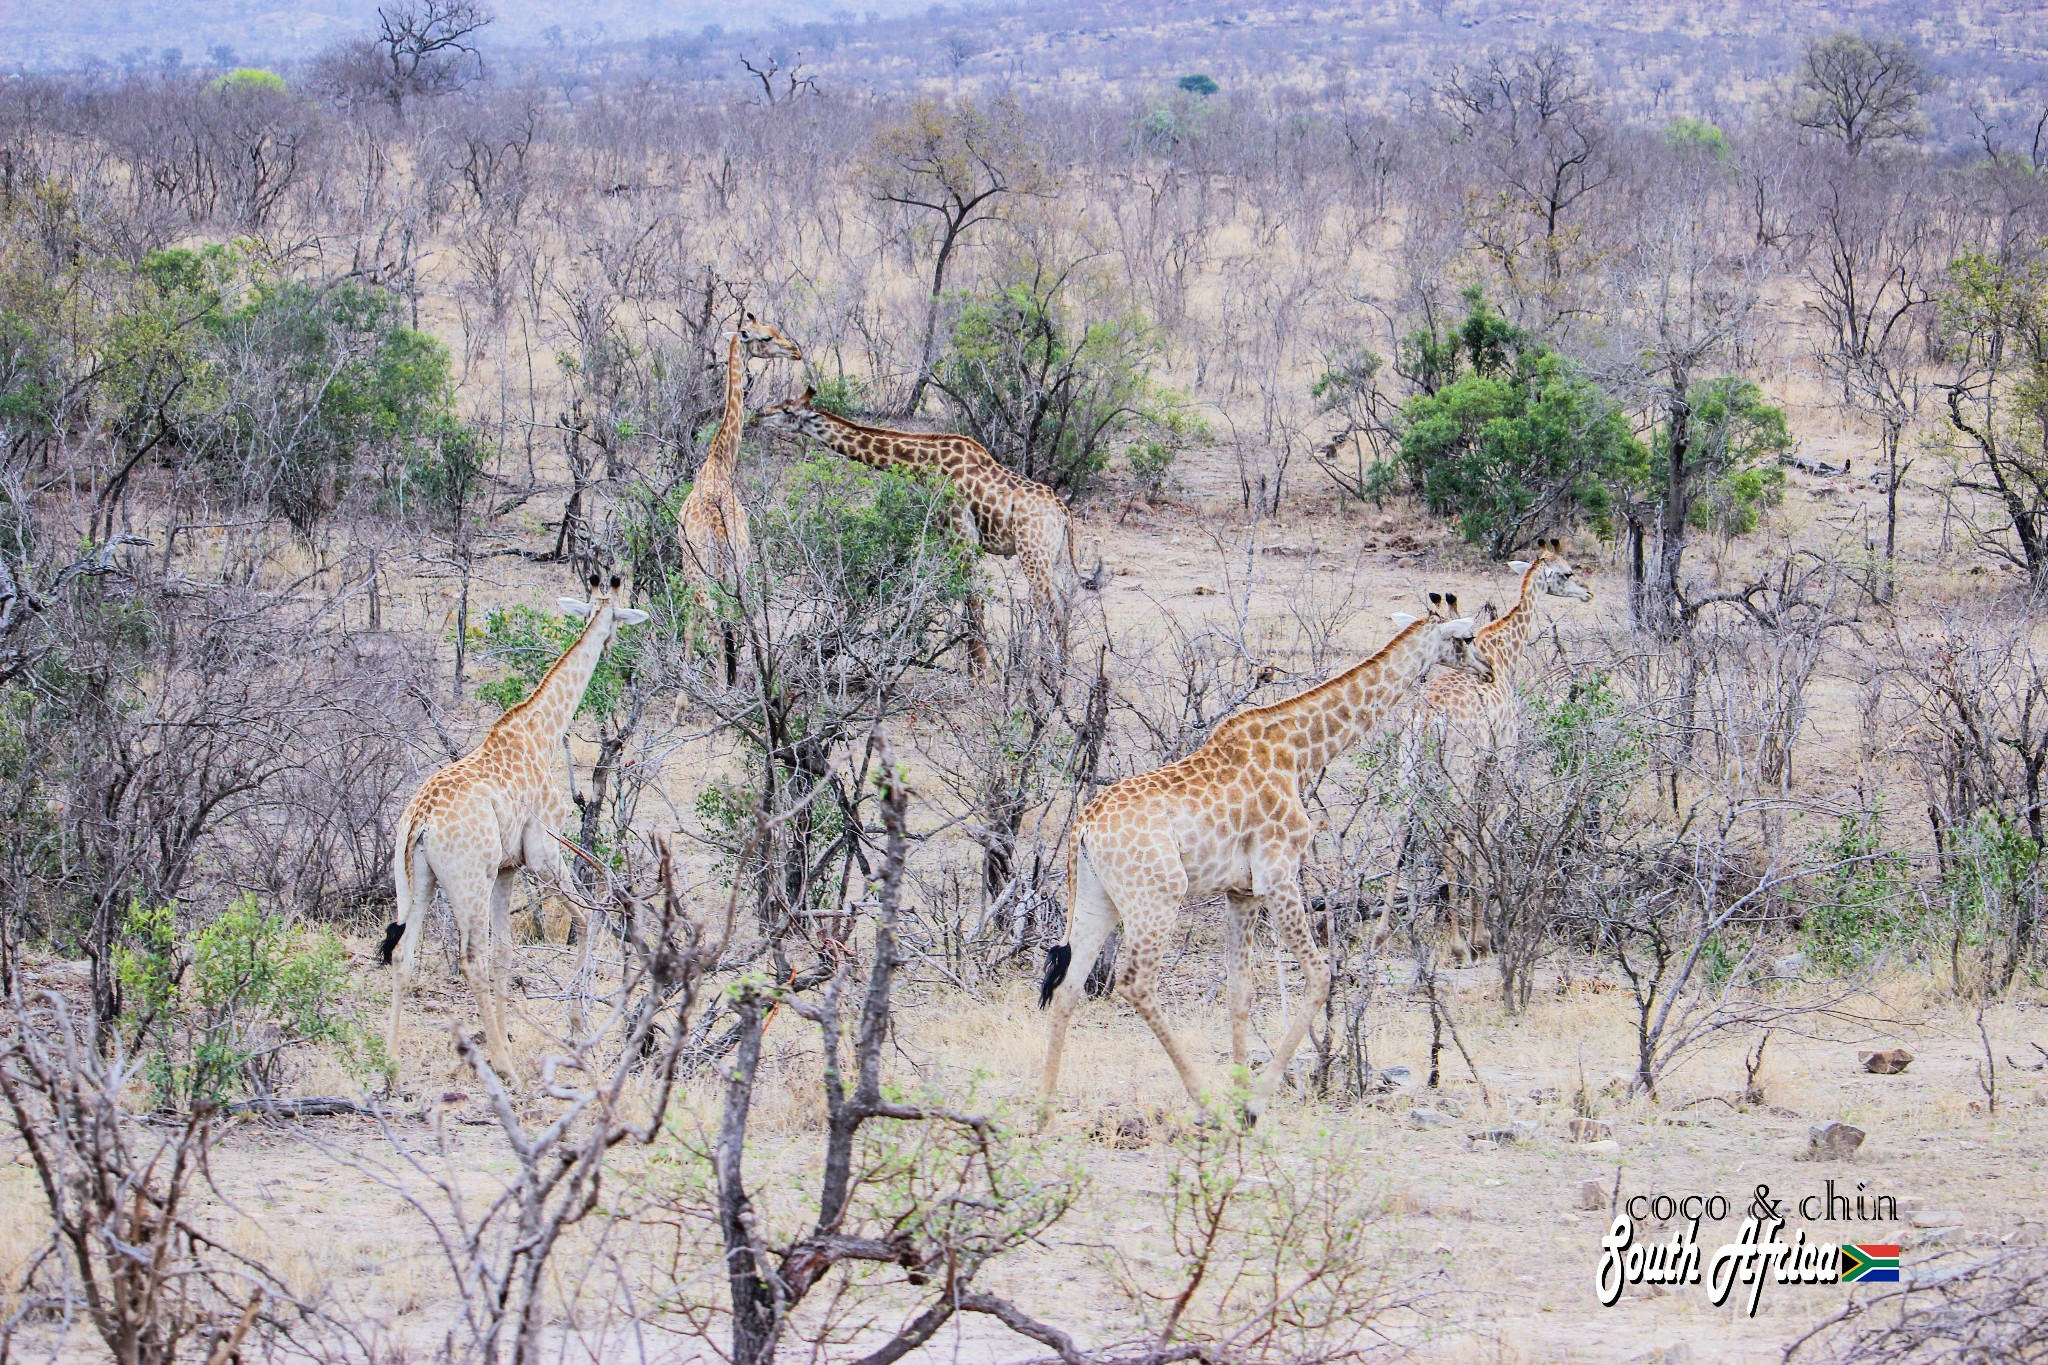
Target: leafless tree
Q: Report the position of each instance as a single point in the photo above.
(952, 166)
(428, 47)
(1862, 90)
(1875, 251)
(125, 1244)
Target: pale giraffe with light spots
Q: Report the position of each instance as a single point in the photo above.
(475, 822)
(1227, 818)
(998, 509)
(712, 522)
(1464, 720)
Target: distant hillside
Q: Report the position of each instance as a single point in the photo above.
(128, 34)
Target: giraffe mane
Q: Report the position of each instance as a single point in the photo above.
(519, 708)
(1275, 707)
(1499, 623)
(889, 431)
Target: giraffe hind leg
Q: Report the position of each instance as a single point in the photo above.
(1067, 966)
(1237, 972)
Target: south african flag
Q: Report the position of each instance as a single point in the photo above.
(1870, 1263)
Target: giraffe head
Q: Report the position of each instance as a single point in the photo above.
(764, 341)
(794, 414)
(1453, 635)
(1553, 575)
(603, 614)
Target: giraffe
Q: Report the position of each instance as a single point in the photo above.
(475, 822)
(1465, 719)
(1228, 817)
(1001, 511)
(712, 523)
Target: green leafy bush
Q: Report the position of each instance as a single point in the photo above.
(1051, 393)
(856, 537)
(1507, 436)
(1861, 908)
(222, 1009)
(301, 385)
(1737, 438)
(1691, 134)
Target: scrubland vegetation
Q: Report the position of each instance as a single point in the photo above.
(319, 385)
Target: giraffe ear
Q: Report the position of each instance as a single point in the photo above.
(1404, 619)
(1435, 598)
(628, 616)
(1451, 601)
(1464, 628)
(577, 609)
(1519, 565)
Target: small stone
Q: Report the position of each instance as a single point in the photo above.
(1937, 1218)
(1526, 1130)
(1887, 1062)
(1482, 1142)
(1608, 1148)
(1422, 1116)
(1789, 967)
(1592, 1195)
(1589, 1130)
(1499, 1137)
(1620, 1083)
(455, 1097)
(1835, 1141)
(1204, 590)
(1130, 1133)
(1546, 1094)
(1385, 1079)
(2041, 1099)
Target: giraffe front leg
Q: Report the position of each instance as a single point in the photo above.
(977, 635)
(1290, 918)
(1237, 977)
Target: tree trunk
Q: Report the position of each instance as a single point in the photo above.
(1677, 504)
(756, 1313)
(931, 316)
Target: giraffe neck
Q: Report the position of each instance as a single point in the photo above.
(1503, 643)
(878, 448)
(545, 714)
(724, 456)
(1350, 704)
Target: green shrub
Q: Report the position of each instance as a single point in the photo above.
(1736, 439)
(857, 538)
(248, 80)
(1995, 900)
(1051, 392)
(1198, 84)
(1691, 134)
(222, 1010)
(1861, 909)
(302, 385)
(1508, 436)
